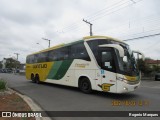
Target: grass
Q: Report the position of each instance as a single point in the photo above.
(2, 85)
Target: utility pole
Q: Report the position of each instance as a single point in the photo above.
(90, 26)
(48, 41)
(17, 55)
(16, 63)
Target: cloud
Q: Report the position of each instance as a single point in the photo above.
(29, 12)
(24, 23)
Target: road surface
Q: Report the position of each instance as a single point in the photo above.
(53, 97)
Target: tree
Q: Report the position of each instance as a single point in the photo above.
(141, 65)
(156, 68)
(11, 63)
(0, 64)
(144, 68)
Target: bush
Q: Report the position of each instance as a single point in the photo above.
(2, 85)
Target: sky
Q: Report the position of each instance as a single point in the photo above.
(23, 24)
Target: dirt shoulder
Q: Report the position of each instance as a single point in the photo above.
(10, 101)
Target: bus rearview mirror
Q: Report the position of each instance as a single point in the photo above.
(138, 52)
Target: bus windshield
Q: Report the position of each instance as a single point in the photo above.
(127, 64)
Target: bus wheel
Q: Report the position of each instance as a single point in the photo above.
(32, 78)
(85, 85)
(37, 79)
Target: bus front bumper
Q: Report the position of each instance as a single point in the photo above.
(123, 87)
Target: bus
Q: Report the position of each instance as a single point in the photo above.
(93, 63)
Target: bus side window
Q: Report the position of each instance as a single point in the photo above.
(58, 54)
(36, 58)
(63, 53)
(52, 55)
(30, 59)
(78, 51)
(42, 57)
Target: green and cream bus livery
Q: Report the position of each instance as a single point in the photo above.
(93, 63)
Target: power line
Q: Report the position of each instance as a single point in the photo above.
(76, 27)
(116, 9)
(142, 37)
(133, 1)
(92, 15)
(140, 33)
(148, 25)
(104, 10)
(97, 16)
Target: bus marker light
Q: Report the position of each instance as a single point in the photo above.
(112, 80)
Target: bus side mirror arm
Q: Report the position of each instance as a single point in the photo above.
(138, 52)
(118, 47)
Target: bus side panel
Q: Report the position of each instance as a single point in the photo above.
(42, 69)
(27, 73)
(90, 74)
(87, 69)
(109, 82)
(62, 73)
(71, 76)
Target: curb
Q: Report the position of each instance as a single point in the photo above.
(32, 105)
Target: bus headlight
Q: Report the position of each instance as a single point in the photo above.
(127, 81)
(122, 79)
(125, 88)
(119, 78)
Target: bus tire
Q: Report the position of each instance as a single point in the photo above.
(85, 85)
(37, 79)
(33, 78)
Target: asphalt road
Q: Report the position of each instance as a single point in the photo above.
(53, 97)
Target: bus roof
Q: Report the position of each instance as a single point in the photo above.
(101, 37)
(87, 38)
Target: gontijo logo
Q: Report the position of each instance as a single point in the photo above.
(40, 66)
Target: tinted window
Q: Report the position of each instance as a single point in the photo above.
(52, 55)
(30, 59)
(93, 44)
(104, 56)
(63, 53)
(37, 58)
(78, 51)
(42, 57)
(59, 54)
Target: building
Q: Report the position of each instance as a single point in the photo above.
(22, 66)
(152, 63)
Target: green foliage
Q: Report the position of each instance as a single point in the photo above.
(156, 68)
(141, 65)
(0, 65)
(146, 69)
(2, 85)
(11, 63)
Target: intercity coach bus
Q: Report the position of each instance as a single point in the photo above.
(93, 63)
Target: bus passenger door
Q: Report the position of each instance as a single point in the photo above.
(70, 77)
(108, 69)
